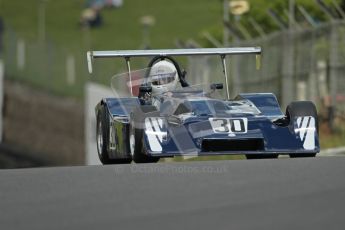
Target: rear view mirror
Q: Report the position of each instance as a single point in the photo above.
(216, 86)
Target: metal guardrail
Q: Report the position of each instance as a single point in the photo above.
(299, 64)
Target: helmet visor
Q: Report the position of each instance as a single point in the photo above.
(162, 78)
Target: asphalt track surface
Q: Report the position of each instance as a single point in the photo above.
(248, 194)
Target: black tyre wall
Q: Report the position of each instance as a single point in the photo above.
(302, 108)
(103, 154)
(298, 109)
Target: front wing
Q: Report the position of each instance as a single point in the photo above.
(230, 136)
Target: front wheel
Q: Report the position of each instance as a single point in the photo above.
(102, 138)
(137, 148)
(298, 109)
(136, 134)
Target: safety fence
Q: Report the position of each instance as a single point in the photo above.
(306, 64)
(51, 67)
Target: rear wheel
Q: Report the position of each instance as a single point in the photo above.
(102, 139)
(298, 109)
(136, 135)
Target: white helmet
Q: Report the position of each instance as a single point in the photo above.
(163, 76)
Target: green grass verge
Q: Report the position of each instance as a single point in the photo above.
(121, 29)
(332, 139)
(46, 63)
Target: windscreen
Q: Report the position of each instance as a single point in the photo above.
(128, 85)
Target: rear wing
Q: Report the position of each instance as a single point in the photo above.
(222, 52)
(169, 52)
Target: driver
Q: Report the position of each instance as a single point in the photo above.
(163, 77)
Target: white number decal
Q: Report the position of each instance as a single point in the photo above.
(155, 132)
(306, 129)
(234, 125)
(220, 125)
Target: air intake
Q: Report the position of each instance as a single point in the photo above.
(226, 145)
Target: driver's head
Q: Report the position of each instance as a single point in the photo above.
(164, 77)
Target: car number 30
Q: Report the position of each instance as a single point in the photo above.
(225, 125)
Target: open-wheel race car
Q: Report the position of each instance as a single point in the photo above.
(156, 114)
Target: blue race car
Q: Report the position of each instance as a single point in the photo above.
(156, 114)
